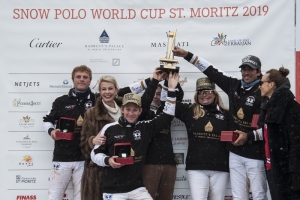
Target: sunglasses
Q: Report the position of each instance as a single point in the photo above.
(205, 92)
(262, 82)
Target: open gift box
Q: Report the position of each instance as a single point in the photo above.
(123, 151)
(254, 121)
(67, 127)
(228, 136)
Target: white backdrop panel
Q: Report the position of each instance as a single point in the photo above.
(39, 52)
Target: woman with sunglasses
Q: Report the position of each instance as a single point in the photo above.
(206, 160)
(280, 117)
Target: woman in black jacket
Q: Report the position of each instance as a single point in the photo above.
(280, 119)
(207, 160)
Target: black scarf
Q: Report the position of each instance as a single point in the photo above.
(273, 109)
(81, 95)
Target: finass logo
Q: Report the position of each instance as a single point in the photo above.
(26, 197)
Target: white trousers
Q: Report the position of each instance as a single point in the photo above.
(61, 174)
(206, 184)
(137, 194)
(247, 173)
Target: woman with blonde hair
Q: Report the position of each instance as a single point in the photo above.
(106, 110)
(207, 160)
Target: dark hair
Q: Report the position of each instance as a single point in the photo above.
(159, 85)
(278, 76)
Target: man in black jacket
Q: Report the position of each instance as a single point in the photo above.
(68, 161)
(246, 153)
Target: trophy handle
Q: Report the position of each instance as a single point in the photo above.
(171, 43)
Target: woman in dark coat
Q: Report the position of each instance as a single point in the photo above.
(106, 110)
(280, 119)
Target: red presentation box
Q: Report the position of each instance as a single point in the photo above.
(254, 121)
(123, 151)
(229, 136)
(67, 127)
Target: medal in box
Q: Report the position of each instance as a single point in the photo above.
(67, 127)
(228, 136)
(123, 151)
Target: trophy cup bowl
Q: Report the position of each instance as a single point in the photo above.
(167, 64)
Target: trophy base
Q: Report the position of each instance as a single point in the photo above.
(166, 68)
(166, 60)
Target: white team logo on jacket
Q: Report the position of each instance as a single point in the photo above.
(220, 116)
(137, 135)
(250, 101)
(88, 105)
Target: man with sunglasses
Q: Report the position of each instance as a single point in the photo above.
(246, 153)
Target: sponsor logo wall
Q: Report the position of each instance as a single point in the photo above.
(43, 42)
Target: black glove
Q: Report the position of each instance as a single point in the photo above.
(294, 181)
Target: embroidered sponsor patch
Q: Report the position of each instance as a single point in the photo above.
(250, 101)
(137, 135)
(88, 104)
(220, 116)
(119, 137)
(70, 107)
